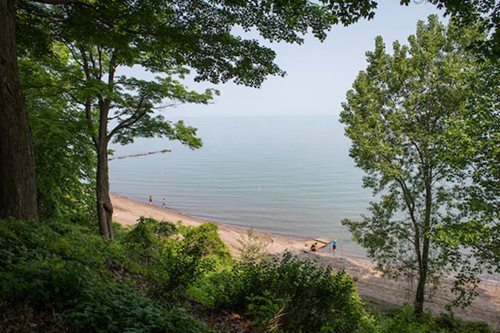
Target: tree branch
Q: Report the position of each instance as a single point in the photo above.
(136, 116)
(411, 209)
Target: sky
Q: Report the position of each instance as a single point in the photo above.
(318, 74)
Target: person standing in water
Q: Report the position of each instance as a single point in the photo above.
(334, 245)
(150, 199)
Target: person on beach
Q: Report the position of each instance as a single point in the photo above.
(150, 199)
(334, 245)
(163, 202)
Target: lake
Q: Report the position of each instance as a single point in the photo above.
(286, 175)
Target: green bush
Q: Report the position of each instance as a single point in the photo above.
(404, 320)
(217, 289)
(114, 308)
(203, 240)
(47, 283)
(66, 268)
(312, 297)
(172, 257)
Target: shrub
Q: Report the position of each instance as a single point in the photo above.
(46, 283)
(267, 310)
(64, 268)
(217, 289)
(312, 297)
(172, 263)
(145, 239)
(404, 320)
(114, 308)
(251, 248)
(203, 240)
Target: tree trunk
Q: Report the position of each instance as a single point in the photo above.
(17, 162)
(424, 267)
(104, 206)
(420, 294)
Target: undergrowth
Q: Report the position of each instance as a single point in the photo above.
(147, 279)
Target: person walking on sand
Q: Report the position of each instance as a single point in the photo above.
(150, 199)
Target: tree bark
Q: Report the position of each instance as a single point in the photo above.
(422, 281)
(424, 266)
(18, 198)
(104, 206)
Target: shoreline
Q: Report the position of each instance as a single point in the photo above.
(371, 285)
(276, 243)
(293, 239)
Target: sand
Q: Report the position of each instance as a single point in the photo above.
(371, 285)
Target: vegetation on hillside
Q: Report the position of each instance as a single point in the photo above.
(164, 277)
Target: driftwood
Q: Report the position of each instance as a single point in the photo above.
(315, 247)
(141, 154)
(320, 240)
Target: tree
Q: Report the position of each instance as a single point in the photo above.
(163, 37)
(65, 159)
(471, 150)
(190, 32)
(483, 12)
(400, 115)
(17, 167)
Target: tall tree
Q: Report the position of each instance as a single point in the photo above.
(17, 165)
(65, 159)
(400, 115)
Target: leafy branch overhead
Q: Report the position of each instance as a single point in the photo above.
(100, 41)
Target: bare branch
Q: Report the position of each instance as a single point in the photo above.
(135, 117)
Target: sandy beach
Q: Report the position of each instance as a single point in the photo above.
(372, 286)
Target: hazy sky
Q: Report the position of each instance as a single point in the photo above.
(318, 74)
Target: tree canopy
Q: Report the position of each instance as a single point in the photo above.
(165, 38)
(161, 35)
(403, 117)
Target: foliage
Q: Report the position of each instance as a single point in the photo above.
(126, 306)
(404, 320)
(398, 116)
(64, 158)
(286, 294)
(145, 238)
(465, 13)
(173, 256)
(267, 311)
(203, 240)
(251, 248)
(68, 269)
(477, 130)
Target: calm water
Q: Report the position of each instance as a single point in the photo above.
(288, 175)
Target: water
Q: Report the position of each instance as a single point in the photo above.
(287, 175)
